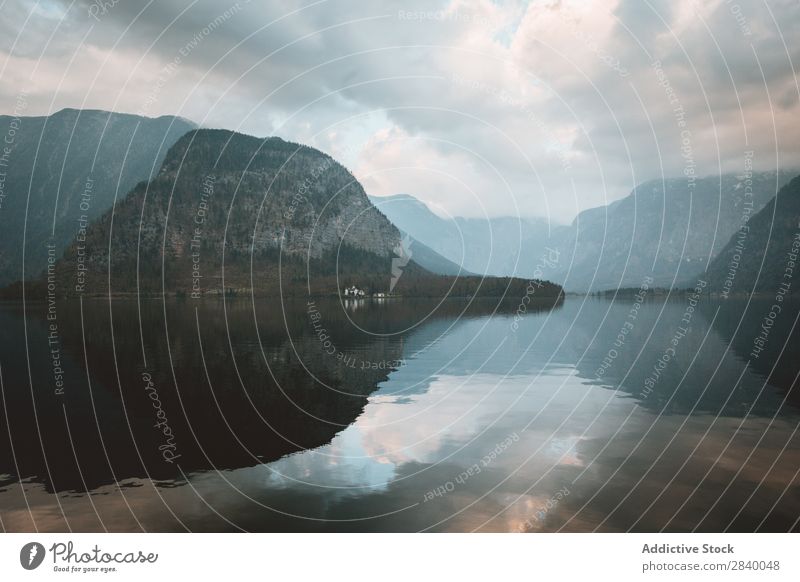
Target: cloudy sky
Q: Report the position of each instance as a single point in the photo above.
(539, 108)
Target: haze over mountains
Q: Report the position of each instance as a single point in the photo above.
(664, 229)
(495, 246)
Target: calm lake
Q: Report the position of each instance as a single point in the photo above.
(398, 415)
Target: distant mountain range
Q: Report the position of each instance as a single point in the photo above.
(664, 229)
(499, 247)
(62, 171)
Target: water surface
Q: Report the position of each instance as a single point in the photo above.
(398, 415)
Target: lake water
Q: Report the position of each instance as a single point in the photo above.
(398, 415)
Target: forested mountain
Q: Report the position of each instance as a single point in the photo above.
(61, 171)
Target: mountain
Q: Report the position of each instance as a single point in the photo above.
(663, 229)
(61, 171)
(221, 199)
(430, 260)
(762, 256)
(504, 246)
(231, 213)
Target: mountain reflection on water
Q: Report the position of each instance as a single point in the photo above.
(400, 415)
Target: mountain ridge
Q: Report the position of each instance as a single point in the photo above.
(66, 169)
(664, 229)
(761, 256)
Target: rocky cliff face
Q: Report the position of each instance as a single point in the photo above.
(293, 196)
(62, 171)
(223, 212)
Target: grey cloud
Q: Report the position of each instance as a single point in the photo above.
(458, 80)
